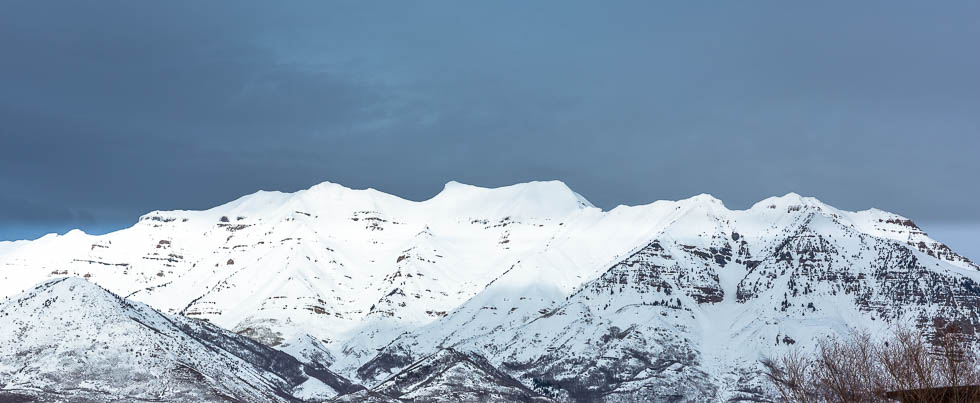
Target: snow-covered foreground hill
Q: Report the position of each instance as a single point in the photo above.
(69, 339)
(669, 299)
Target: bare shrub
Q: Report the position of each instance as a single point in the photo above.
(845, 369)
(792, 375)
(906, 366)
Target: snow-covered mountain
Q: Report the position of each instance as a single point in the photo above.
(70, 340)
(673, 298)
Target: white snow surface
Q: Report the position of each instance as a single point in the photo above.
(69, 336)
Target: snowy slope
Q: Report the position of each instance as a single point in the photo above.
(368, 283)
(70, 339)
(690, 314)
(329, 261)
(449, 375)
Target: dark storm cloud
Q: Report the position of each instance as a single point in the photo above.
(109, 110)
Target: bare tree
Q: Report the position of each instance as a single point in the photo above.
(845, 369)
(792, 376)
(907, 366)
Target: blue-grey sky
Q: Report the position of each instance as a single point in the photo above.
(112, 109)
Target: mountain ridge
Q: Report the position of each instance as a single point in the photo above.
(367, 283)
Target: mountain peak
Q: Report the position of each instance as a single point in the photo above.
(454, 184)
(71, 283)
(536, 198)
(40, 300)
(549, 186)
(791, 199)
(438, 377)
(705, 198)
(68, 286)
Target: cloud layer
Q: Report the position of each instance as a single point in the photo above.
(110, 110)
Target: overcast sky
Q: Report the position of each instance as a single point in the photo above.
(112, 109)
